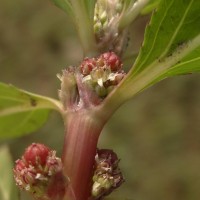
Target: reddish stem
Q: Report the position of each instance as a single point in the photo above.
(79, 151)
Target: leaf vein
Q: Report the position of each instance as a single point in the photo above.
(186, 62)
(177, 30)
(152, 47)
(24, 121)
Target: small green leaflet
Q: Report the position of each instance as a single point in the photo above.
(22, 112)
(8, 189)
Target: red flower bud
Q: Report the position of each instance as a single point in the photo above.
(24, 174)
(111, 60)
(87, 65)
(35, 172)
(36, 154)
(20, 165)
(102, 73)
(108, 156)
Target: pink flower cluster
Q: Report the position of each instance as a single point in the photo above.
(107, 175)
(36, 169)
(103, 73)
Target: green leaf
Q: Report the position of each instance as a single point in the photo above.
(171, 45)
(22, 112)
(173, 24)
(8, 190)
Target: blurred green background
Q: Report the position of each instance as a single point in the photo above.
(156, 135)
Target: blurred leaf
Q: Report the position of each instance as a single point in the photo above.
(82, 14)
(127, 3)
(22, 112)
(90, 4)
(8, 190)
(83, 20)
(153, 4)
(65, 5)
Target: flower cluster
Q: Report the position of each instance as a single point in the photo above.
(36, 169)
(106, 18)
(107, 175)
(103, 73)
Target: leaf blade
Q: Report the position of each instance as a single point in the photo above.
(190, 64)
(22, 112)
(163, 35)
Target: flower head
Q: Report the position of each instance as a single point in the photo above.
(36, 169)
(87, 65)
(111, 60)
(107, 175)
(36, 154)
(103, 73)
(106, 25)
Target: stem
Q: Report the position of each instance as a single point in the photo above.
(79, 151)
(131, 13)
(84, 27)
